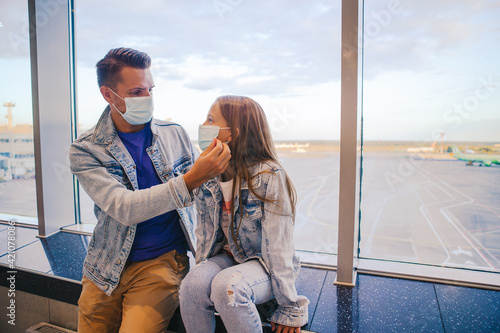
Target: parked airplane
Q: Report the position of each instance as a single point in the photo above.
(430, 149)
(482, 159)
(298, 148)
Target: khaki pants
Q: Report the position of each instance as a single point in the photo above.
(144, 300)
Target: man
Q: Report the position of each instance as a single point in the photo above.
(140, 172)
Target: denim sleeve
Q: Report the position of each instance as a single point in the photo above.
(278, 253)
(206, 208)
(126, 206)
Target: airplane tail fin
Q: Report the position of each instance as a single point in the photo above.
(456, 151)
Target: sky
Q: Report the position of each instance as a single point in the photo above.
(429, 66)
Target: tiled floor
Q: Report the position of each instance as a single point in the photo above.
(61, 254)
(376, 304)
(381, 304)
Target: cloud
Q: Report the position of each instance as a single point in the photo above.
(409, 37)
(288, 48)
(293, 41)
(14, 33)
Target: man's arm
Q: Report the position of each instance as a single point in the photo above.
(131, 207)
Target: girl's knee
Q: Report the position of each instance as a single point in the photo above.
(228, 289)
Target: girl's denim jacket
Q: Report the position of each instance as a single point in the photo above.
(265, 233)
(106, 172)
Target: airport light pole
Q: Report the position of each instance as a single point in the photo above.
(442, 141)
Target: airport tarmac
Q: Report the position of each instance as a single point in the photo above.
(315, 176)
(438, 212)
(18, 197)
(430, 211)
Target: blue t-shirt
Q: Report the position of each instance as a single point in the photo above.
(162, 233)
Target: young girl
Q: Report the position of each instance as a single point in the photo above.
(245, 253)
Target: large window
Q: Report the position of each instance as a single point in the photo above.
(429, 95)
(283, 54)
(17, 167)
(431, 116)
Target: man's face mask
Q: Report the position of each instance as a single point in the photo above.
(138, 110)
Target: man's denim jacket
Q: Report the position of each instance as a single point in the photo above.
(266, 234)
(106, 171)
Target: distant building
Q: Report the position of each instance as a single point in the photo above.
(16, 152)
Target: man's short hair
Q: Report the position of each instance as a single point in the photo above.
(109, 68)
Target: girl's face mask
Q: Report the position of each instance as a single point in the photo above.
(206, 133)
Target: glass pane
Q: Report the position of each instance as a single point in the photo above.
(431, 139)
(17, 166)
(284, 55)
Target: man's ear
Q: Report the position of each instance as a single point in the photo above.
(106, 94)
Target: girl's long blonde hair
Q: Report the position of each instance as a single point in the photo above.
(252, 145)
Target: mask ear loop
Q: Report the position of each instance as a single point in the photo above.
(123, 99)
(117, 109)
(116, 94)
(219, 133)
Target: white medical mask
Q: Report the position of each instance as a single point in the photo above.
(138, 110)
(206, 134)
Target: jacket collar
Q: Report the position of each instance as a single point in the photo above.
(105, 130)
(256, 180)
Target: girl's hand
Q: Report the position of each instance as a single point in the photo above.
(284, 329)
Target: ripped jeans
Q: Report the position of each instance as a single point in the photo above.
(221, 284)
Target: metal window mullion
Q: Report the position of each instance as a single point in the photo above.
(36, 113)
(73, 97)
(51, 91)
(348, 206)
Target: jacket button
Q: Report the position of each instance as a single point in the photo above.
(246, 214)
(106, 287)
(118, 261)
(129, 232)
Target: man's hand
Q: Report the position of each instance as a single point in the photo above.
(212, 162)
(284, 329)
